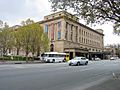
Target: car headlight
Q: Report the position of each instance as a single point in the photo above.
(69, 61)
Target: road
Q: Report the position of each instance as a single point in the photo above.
(57, 76)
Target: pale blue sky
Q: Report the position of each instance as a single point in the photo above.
(14, 11)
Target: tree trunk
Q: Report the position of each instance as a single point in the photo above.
(27, 56)
(18, 49)
(33, 56)
(38, 51)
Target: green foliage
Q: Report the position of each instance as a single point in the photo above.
(19, 58)
(27, 22)
(25, 38)
(92, 11)
(6, 39)
(15, 58)
(30, 38)
(17, 40)
(1, 23)
(117, 29)
(4, 58)
(45, 42)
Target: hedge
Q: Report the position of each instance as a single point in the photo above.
(15, 58)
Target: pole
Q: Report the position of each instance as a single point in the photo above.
(69, 50)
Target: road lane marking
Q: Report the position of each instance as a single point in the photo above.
(86, 69)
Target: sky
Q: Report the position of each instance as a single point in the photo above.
(15, 11)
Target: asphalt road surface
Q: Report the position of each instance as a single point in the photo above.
(60, 76)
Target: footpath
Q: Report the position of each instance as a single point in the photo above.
(19, 62)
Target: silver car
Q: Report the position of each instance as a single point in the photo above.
(78, 61)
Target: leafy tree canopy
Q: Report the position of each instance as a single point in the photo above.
(3, 25)
(27, 22)
(92, 11)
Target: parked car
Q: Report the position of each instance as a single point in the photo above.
(97, 59)
(114, 58)
(78, 61)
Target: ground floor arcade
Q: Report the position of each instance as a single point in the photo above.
(73, 52)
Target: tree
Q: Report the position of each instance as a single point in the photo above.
(92, 11)
(6, 40)
(26, 32)
(33, 37)
(30, 37)
(1, 23)
(45, 42)
(27, 22)
(25, 38)
(17, 40)
(38, 40)
(35, 40)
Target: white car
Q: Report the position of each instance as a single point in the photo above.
(114, 58)
(97, 59)
(78, 60)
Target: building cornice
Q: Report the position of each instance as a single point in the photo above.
(65, 17)
(84, 25)
(91, 46)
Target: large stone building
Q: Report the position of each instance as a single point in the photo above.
(66, 34)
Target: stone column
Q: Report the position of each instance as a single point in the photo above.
(73, 54)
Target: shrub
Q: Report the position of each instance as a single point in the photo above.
(15, 58)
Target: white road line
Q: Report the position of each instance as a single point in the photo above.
(86, 69)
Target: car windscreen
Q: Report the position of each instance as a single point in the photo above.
(83, 58)
(77, 58)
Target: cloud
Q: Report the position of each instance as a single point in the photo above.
(15, 11)
(11, 10)
(39, 4)
(38, 8)
(11, 7)
(109, 37)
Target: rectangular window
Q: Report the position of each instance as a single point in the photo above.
(46, 29)
(66, 32)
(71, 32)
(52, 33)
(76, 36)
(59, 25)
(59, 30)
(59, 34)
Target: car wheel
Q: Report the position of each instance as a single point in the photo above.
(69, 64)
(86, 63)
(59, 61)
(53, 60)
(78, 63)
